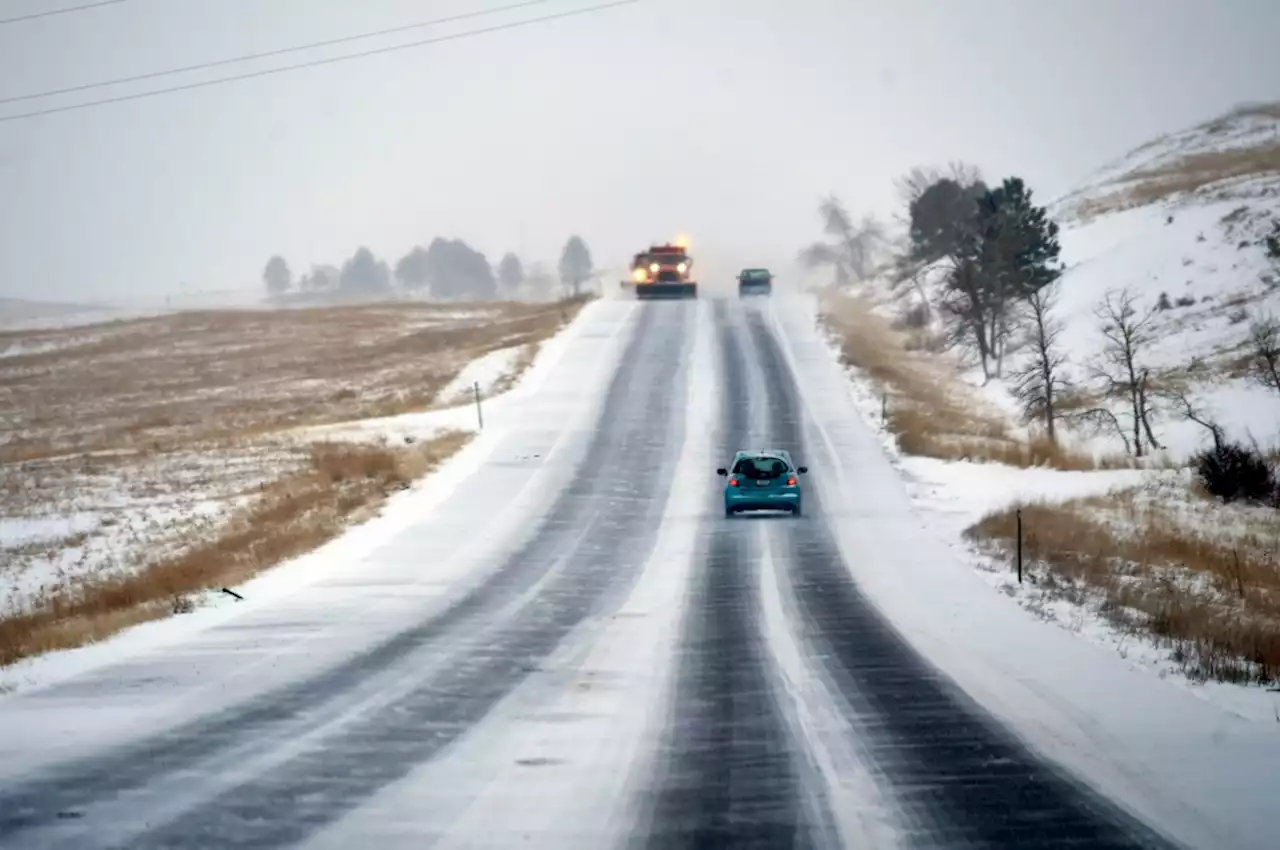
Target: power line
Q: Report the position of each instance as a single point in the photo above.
(66, 11)
(317, 62)
(203, 66)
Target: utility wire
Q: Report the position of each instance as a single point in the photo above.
(317, 62)
(66, 11)
(203, 66)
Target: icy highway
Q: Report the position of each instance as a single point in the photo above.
(571, 646)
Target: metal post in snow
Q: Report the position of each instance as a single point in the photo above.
(479, 413)
(1019, 545)
(884, 407)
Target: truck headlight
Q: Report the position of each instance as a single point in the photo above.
(682, 268)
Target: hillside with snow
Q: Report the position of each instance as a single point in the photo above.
(1127, 552)
(1182, 223)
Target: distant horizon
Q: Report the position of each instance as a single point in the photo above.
(254, 289)
(741, 119)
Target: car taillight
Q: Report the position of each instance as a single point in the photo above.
(791, 482)
(733, 482)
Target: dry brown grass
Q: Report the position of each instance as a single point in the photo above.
(153, 384)
(1189, 173)
(157, 430)
(341, 483)
(927, 408)
(1200, 578)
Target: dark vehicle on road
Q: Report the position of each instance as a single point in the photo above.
(762, 480)
(755, 282)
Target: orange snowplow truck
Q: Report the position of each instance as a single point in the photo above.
(664, 271)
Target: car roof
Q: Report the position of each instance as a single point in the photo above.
(780, 453)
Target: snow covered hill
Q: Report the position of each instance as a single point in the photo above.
(1137, 559)
(1230, 158)
(1182, 223)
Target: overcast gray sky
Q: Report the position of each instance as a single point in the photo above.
(725, 119)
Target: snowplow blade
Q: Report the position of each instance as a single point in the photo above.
(647, 291)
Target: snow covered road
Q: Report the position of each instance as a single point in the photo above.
(575, 649)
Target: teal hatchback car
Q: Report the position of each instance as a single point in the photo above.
(762, 480)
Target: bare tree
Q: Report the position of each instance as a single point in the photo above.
(1264, 352)
(821, 254)
(1099, 420)
(1120, 372)
(911, 277)
(1040, 384)
(1192, 412)
(851, 253)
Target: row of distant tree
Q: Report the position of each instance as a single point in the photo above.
(447, 269)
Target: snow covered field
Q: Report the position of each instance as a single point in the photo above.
(133, 443)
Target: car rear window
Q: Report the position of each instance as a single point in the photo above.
(761, 467)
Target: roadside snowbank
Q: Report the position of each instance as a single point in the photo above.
(486, 372)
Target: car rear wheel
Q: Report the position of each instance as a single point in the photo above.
(728, 512)
(795, 511)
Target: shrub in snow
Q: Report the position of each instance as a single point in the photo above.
(915, 317)
(1272, 241)
(1234, 472)
(1264, 352)
(1164, 303)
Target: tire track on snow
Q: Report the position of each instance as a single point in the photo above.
(967, 779)
(732, 776)
(581, 554)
